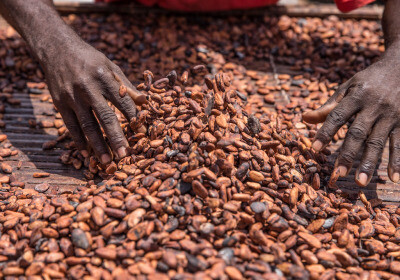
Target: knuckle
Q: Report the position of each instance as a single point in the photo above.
(323, 136)
(368, 166)
(89, 126)
(375, 143)
(385, 106)
(347, 157)
(82, 82)
(107, 117)
(117, 140)
(357, 97)
(357, 132)
(356, 90)
(127, 104)
(72, 126)
(336, 116)
(100, 71)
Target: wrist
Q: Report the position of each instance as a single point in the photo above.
(55, 45)
(40, 25)
(392, 51)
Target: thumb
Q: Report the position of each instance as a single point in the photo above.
(319, 115)
(137, 97)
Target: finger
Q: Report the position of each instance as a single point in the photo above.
(137, 97)
(319, 115)
(335, 120)
(111, 126)
(72, 123)
(394, 155)
(354, 141)
(125, 104)
(372, 152)
(92, 130)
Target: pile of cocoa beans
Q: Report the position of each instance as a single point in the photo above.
(209, 191)
(217, 185)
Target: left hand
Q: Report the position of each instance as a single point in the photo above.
(81, 81)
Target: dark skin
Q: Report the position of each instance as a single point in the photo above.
(81, 80)
(372, 97)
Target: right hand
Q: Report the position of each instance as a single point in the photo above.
(81, 80)
(372, 97)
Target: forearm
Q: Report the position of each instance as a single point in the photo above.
(391, 23)
(40, 25)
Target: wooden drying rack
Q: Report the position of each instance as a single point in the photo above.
(65, 178)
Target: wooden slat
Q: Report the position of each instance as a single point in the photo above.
(380, 186)
(28, 141)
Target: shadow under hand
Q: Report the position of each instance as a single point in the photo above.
(31, 159)
(380, 187)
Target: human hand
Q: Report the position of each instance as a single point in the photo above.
(372, 96)
(81, 80)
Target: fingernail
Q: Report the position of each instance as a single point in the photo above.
(84, 153)
(121, 152)
(317, 145)
(362, 179)
(105, 158)
(396, 177)
(342, 171)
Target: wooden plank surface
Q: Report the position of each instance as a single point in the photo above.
(380, 186)
(28, 141)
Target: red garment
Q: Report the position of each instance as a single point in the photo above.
(223, 5)
(349, 5)
(203, 5)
